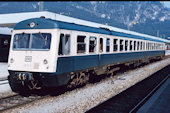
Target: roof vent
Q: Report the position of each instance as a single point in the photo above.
(42, 17)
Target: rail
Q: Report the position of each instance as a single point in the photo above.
(4, 78)
(3, 82)
(14, 101)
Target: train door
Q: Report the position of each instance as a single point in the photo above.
(64, 45)
(100, 50)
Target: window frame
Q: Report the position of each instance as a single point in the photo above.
(81, 43)
(107, 51)
(121, 44)
(95, 44)
(115, 44)
(63, 44)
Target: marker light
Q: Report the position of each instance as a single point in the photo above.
(32, 24)
(45, 61)
(11, 60)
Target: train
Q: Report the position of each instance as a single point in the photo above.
(52, 53)
(5, 39)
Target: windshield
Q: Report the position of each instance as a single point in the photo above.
(21, 41)
(32, 41)
(41, 41)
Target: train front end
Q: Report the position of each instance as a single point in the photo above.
(32, 54)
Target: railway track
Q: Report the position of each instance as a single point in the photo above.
(134, 97)
(16, 101)
(3, 82)
(2, 79)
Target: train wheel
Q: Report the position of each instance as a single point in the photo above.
(79, 79)
(83, 79)
(18, 87)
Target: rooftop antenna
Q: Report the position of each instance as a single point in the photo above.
(41, 6)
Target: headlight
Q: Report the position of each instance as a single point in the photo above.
(11, 60)
(45, 61)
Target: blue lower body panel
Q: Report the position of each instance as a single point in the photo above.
(76, 63)
(124, 57)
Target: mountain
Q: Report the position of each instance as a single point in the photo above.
(149, 17)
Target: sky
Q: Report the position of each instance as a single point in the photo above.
(167, 3)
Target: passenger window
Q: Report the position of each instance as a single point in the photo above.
(131, 45)
(126, 45)
(64, 45)
(141, 45)
(115, 46)
(149, 46)
(81, 45)
(158, 46)
(101, 45)
(138, 45)
(134, 45)
(121, 45)
(107, 45)
(92, 44)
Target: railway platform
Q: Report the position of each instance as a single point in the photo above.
(159, 102)
(167, 52)
(3, 70)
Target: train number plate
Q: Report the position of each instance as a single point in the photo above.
(28, 58)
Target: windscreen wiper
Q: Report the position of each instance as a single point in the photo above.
(43, 38)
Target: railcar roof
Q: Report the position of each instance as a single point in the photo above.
(5, 31)
(43, 23)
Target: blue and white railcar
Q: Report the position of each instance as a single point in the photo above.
(52, 53)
